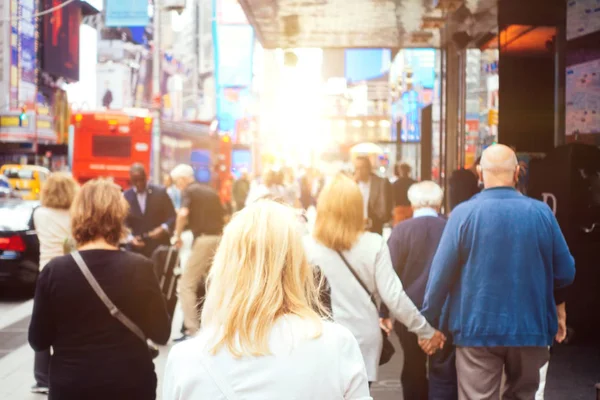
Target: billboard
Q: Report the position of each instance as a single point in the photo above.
(60, 56)
(232, 104)
(113, 86)
(120, 13)
(235, 48)
(27, 58)
(365, 64)
(421, 62)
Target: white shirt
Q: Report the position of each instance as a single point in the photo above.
(53, 228)
(142, 198)
(329, 367)
(365, 190)
(351, 305)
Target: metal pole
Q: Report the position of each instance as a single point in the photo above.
(156, 63)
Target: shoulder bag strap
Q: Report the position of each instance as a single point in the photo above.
(218, 379)
(114, 311)
(358, 279)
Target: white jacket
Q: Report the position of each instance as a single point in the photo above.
(329, 367)
(351, 305)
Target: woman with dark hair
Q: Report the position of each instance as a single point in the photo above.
(463, 185)
(402, 207)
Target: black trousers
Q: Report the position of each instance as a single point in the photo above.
(414, 373)
(41, 366)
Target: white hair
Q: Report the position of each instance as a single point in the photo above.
(426, 194)
(182, 171)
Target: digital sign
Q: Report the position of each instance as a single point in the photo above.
(120, 13)
(365, 64)
(235, 48)
(60, 56)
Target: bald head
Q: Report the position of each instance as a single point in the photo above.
(499, 166)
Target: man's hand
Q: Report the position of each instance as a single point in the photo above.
(157, 233)
(430, 346)
(386, 325)
(137, 242)
(561, 311)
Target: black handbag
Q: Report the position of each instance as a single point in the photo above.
(388, 350)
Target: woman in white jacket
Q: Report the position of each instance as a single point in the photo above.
(262, 335)
(339, 231)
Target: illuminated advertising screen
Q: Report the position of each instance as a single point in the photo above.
(120, 13)
(60, 55)
(235, 48)
(411, 120)
(230, 105)
(365, 64)
(241, 159)
(202, 165)
(422, 64)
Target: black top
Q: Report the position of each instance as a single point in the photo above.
(463, 185)
(206, 214)
(94, 352)
(413, 244)
(400, 191)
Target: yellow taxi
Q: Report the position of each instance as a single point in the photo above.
(26, 180)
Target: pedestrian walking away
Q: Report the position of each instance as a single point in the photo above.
(95, 356)
(267, 337)
(201, 212)
(501, 257)
(413, 244)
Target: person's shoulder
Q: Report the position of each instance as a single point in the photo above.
(369, 241)
(338, 333)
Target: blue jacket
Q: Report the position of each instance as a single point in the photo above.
(500, 258)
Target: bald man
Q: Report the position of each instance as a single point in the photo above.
(500, 258)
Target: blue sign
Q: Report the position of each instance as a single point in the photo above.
(411, 121)
(122, 13)
(202, 165)
(241, 159)
(365, 64)
(422, 65)
(235, 48)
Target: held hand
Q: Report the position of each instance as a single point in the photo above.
(386, 325)
(430, 346)
(561, 311)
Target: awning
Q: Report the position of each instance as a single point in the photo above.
(363, 23)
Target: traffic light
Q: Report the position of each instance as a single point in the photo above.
(23, 116)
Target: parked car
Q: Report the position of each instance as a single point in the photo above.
(19, 245)
(8, 193)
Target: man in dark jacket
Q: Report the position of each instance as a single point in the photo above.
(413, 244)
(377, 195)
(151, 216)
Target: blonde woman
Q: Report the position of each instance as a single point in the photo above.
(263, 335)
(339, 243)
(96, 357)
(53, 228)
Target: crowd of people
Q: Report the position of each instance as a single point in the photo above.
(275, 310)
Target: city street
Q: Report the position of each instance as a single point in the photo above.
(574, 370)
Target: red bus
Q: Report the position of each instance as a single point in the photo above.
(107, 143)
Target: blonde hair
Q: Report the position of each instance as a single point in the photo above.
(58, 191)
(99, 211)
(340, 214)
(259, 273)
